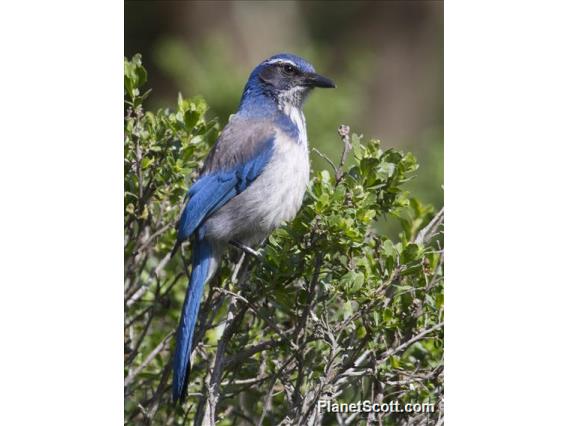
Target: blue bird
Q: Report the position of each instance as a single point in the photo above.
(253, 180)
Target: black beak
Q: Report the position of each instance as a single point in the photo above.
(315, 80)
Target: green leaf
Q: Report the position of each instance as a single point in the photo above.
(389, 249)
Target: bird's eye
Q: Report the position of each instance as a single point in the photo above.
(289, 69)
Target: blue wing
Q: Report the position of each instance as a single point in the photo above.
(238, 158)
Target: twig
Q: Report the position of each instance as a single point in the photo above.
(154, 402)
(138, 153)
(134, 352)
(326, 158)
(409, 342)
(267, 401)
(206, 416)
(426, 233)
(136, 348)
(144, 288)
(235, 275)
(149, 358)
(233, 319)
(301, 327)
(302, 324)
(343, 131)
(150, 239)
(139, 315)
(250, 351)
(257, 312)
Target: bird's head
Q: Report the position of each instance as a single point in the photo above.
(286, 78)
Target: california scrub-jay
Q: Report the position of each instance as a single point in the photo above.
(253, 179)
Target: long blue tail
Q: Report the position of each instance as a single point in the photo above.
(202, 261)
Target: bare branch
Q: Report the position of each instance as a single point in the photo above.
(406, 344)
(149, 358)
(426, 233)
(343, 131)
(326, 158)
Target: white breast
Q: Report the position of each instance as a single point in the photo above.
(273, 198)
(284, 181)
(297, 117)
(290, 104)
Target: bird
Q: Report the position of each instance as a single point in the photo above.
(252, 181)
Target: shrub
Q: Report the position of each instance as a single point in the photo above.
(333, 309)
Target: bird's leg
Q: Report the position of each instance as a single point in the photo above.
(245, 248)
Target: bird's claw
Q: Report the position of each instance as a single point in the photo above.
(246, 249)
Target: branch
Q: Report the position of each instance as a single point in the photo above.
(234, 317)
(426, 233)
(409, 342)
(326, 158)
(149, 358)
(246, 353)
(233, 320)
(131, 300)
(257, 312)
(343, 131)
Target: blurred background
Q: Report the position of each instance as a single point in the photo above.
(386, 58)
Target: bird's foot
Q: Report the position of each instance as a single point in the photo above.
(246, 249)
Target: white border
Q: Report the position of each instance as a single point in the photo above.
(506, 74)
(61, 177)
(61, 186)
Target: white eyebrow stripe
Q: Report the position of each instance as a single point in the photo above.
(280, 61)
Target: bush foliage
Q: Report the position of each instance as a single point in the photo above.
(332, 309)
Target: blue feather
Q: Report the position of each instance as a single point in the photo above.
(204, 199)
(207, 195)
(212, 191)
(202, 257)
